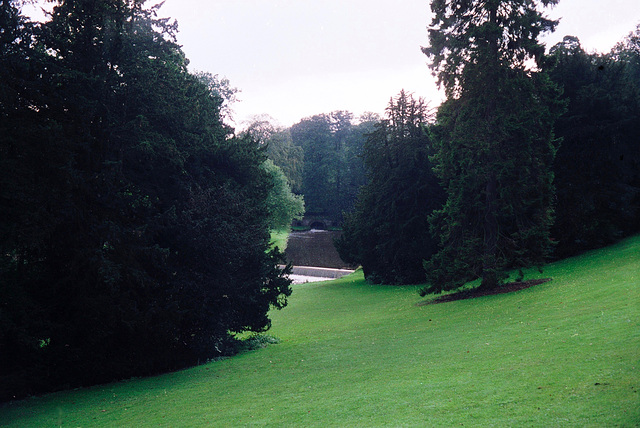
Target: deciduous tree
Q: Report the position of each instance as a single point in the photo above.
(280, 148)
(332, 172)
(283, 206)
(137, 232)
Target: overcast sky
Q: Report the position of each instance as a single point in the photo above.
(296, 58)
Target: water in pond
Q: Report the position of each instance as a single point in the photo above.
(314, 248)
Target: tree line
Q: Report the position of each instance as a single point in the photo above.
(321, 157)
(533, 156)
(134, 221)
(134, 224)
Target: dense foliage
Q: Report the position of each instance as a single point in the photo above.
(495, 145)
(507, 155)
(597, 168)
(388, 232)
(333, 170)
(537, 162)
(282, 205)
(280, 149)
(284, 166)
(133, 225)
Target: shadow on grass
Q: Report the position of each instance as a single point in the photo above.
(470, 294)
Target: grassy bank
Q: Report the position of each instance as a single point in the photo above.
(562, 353)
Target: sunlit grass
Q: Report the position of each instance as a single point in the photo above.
(563, 353)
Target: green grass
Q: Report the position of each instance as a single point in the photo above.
(563, 353)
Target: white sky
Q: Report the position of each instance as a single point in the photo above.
(296, 58)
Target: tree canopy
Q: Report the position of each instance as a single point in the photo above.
(598, 163)
(466, 36)
(282, 205)
(134, 225)
(333, 171)
(388, 231)
(280, 149)
(495, 146)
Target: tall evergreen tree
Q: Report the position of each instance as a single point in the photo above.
(31, 179)
(388, 232)
(495, 144)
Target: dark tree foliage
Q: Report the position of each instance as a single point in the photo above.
(597, 167)
(388, 232)
(332, 172)
(27, 159)
(313, 135)
(628, 51)
(494, 145)
(133, 227)
(467, 35)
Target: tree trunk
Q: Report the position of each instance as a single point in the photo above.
(490, 222)
(490, 225)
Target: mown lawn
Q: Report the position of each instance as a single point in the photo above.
(562, 353)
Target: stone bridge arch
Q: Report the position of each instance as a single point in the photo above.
(316, 222)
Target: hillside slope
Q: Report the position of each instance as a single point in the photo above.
(562, 353)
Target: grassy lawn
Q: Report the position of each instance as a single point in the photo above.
(562, 353)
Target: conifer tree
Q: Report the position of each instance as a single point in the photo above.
(387, 232)
(495, 144)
